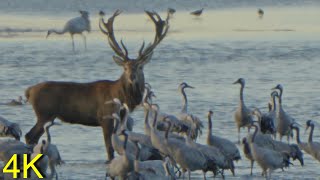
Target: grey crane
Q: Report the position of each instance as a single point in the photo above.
(148, 152)
(75, 26)
(266, 141)
(178, 126)
(262, 140)
(217, 161)
(247, 153)
(117, 142)
(267, 120)
(284, 120)
(9, 147)
(50, 150)
(216, 158)
(9, 129)
(313, 146)
(224, 145)
(267, 159)
(170, 12)
(157, 139)
(44, 162)
(156, 110)
(188, 157)
(302, 145)
(121, 165)
(192, 121)
(266, 124)
(243, 117)
(126, 122)
(151, 169)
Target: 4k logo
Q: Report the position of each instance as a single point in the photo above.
(12, 166)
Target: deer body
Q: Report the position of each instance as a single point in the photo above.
(81, 103)
(85, 103)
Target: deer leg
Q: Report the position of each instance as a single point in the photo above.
(33, 136)
(107, 128)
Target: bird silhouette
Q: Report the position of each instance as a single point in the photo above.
(197, 12)
(171, 11)
(75, 26)
(260, 13)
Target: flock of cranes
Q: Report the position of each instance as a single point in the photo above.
(159, 153)
(81, 24)
(8, 147)
(168, 148)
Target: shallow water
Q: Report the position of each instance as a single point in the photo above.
(209, 53)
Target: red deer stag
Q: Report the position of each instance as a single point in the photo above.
(84, 103)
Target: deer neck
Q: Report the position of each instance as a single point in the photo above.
(130, 93)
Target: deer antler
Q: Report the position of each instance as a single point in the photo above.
(162, 27)
(111, 38)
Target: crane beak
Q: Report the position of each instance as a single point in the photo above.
(188, 86)
(236, 82)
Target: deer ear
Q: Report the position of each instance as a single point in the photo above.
(118, 60)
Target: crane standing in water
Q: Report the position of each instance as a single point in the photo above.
(75, 26)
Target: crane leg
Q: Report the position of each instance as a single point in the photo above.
(85, 41)
(72, 42)
(252, 162)
(239, 135)
(204, 175)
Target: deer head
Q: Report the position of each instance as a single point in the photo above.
(133, 67)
